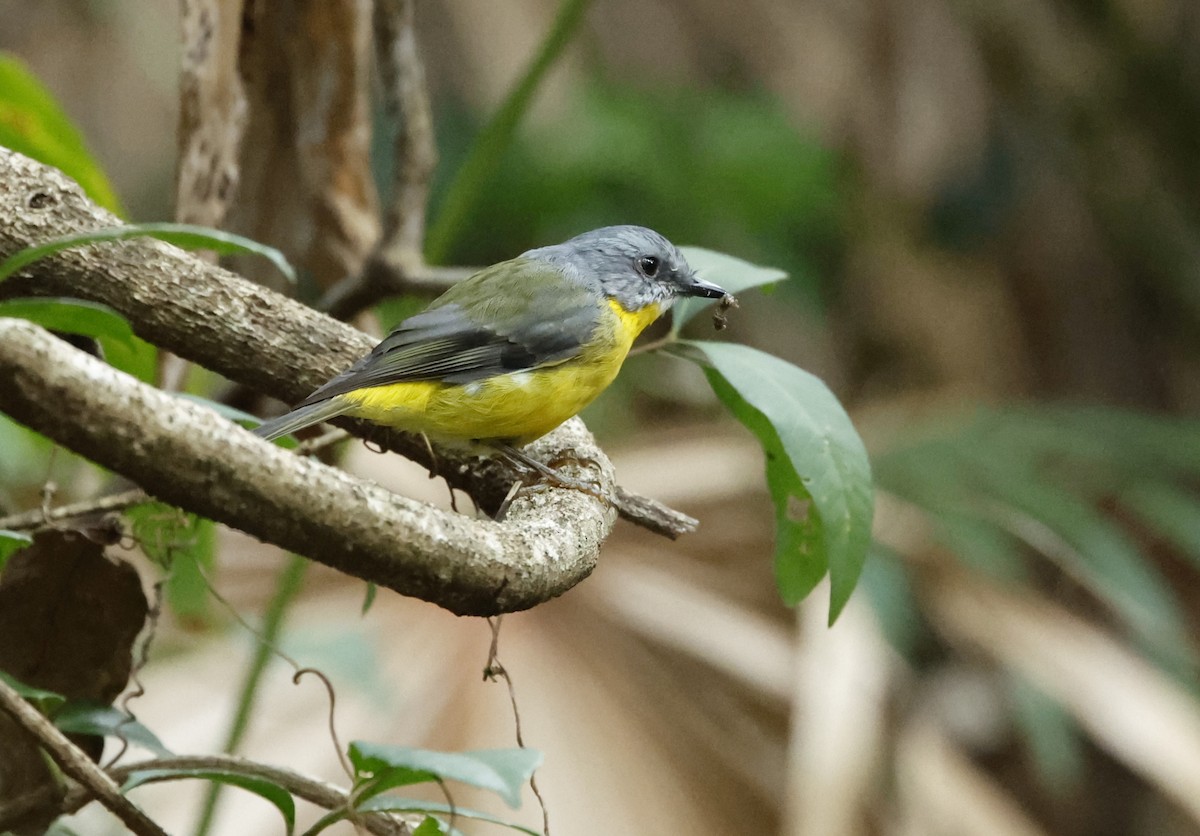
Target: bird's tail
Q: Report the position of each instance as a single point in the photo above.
(298, 419)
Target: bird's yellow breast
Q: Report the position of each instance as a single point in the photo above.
(516, 407)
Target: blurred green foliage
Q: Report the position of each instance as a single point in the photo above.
(724, 169)
(33, 123)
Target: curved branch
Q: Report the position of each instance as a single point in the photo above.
(221, 321)
(74, 762)
(189, 456)
(324, 795)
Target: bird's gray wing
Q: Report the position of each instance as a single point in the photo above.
(516, 315)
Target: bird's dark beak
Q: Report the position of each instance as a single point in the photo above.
(693, 285)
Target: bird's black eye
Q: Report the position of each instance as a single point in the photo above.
(648, 265)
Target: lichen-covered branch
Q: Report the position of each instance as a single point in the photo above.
(75, 763)
(187, 455)
(217, 319)
(397, 264)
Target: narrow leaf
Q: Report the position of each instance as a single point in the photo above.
(894, 601)
(1099, 553)
(503, 771)
(392, 804)
(817, 466)
(44, 701)
(730, 272)
(429, 827)
(186, 236)
(106, 721)
(369, 597)
(1172, 512)
(72, 316)
(11, 542)
(273, 793)
(1050, 733)
(32, 123)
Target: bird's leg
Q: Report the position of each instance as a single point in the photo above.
(520, 457)
(435, 470)
(574, 458)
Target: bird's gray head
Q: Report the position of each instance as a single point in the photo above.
(631, 264)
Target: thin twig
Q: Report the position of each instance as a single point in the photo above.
(379, 280)
(333, 735)
(651, 345)
(652, 515)
(324, 795)
(75, 763)
(496, 670)
(44, 516)
(397, 265)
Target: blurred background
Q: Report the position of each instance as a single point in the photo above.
(990, 212)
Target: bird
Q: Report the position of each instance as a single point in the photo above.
(505, 356)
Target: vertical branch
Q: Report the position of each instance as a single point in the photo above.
(407, 102)
(212, 120)
(397, 264)
(212, 111)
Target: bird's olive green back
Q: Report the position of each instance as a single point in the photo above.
(515, 315)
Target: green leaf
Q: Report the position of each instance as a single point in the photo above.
(429, 827)
(817, 467)
(122, 349)
(183, 544)
(33, 124)
(730, 272)
(44, 701)
(368, 596)
(893, 600)
(72, 316)
(983, 545)
(503, 771)
(1050, 733)
(1100, 554)
(224, 410)
(1171, 511)
(272, 792)
(11, 542)
(238, 416)
(106, 721)
(187, 236)
(392, 804)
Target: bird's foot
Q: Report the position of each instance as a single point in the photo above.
(541, 474)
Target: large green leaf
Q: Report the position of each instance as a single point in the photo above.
(503, 771)
(187, 236)
(273, 793)
(817, 467)
(33, 124)
(730, 272)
